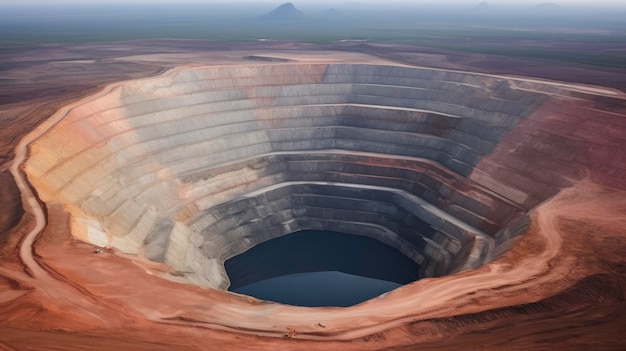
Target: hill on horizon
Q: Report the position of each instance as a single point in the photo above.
(284, 12)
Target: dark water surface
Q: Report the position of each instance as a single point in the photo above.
(320, 268)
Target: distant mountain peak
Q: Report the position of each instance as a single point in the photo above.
(287, 6)
(284, 12)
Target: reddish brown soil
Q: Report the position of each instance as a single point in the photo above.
(561, 286)
(566, 142)
(11, 195)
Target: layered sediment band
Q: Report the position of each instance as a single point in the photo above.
(198, 165)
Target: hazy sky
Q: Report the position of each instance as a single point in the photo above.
(296, 2)
(305, 5)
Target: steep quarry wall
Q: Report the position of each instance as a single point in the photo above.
(200, 164)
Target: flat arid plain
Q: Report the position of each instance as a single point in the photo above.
(129, 171)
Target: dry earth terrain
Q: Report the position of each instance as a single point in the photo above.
(561, 285)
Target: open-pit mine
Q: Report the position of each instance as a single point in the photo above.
(501, 190)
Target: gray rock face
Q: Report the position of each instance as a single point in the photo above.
(198, 165)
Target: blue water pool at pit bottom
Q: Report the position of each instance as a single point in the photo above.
(318, 289)
(320, 268)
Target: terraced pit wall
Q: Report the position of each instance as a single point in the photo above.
(200, 164)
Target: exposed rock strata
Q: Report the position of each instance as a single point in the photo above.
(200, 164)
